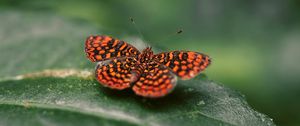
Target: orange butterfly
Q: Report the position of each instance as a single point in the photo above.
(120, 66)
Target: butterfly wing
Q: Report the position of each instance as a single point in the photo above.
(155, 81)
(100, 48)
(185, 64)
(117, 73)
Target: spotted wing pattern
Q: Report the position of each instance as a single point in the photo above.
(185, 64)
(118, 73)
(100, 48)
(155, 81)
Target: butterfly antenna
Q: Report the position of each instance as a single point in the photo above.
(179, 31)
(137, 28)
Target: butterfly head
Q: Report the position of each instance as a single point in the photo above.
(146, 55)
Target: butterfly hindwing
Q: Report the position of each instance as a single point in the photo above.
(185, 64)
(155, 81)
(100, 48)
(117, 73)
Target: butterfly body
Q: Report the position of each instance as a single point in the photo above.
(149, 75)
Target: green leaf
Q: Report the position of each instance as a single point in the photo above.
(59, 101)
(32, 42)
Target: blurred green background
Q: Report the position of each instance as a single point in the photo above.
(255, 45)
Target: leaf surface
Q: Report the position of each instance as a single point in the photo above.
(33, 42)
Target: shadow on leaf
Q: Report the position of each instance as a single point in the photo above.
(181, 96)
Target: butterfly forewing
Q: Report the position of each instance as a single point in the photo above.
(155, 81)
(185, 64)
(100, 48)
(117, 73)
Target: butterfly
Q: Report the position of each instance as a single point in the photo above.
(121, 65)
